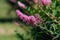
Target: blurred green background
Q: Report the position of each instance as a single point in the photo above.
(4, 10)
(7, 25)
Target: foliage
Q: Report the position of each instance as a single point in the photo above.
(49, 29)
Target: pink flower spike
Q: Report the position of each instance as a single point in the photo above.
(25, 18)
(32, 20)
(20, 14)
(21, 5)
(46, 2)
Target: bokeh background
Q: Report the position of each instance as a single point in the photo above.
(7, 22)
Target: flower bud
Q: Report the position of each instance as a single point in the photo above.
(21, 5)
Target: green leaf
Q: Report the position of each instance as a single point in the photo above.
(54, 12)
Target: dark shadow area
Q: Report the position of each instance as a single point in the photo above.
(40, 36)
(8, 20)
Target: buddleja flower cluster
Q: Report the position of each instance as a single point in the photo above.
(44, 14)
(29, 19)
